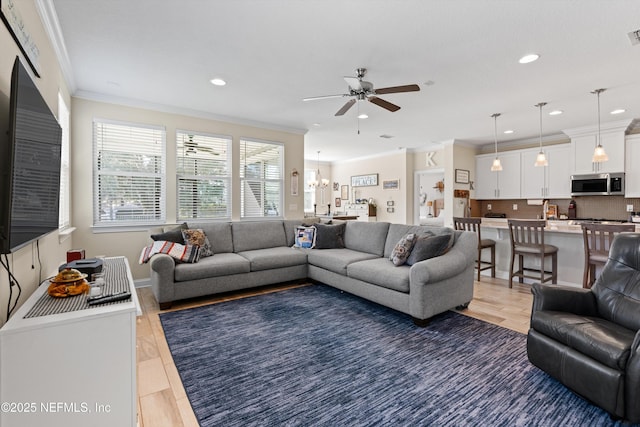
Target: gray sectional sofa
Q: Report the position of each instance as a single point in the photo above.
(250, 254)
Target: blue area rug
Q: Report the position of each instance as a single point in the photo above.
(317, 356)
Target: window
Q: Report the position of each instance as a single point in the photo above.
(129, 173)
(309, 192)
(261, 179)
(203, 175)
(64, 217)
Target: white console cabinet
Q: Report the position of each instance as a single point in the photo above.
(364, 211)
(70, 369)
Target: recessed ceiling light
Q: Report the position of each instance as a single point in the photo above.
(618, 111)
(508, 131)
(386, 136)
(528, 58)
(363, 116)
(317, 125)
(218, 82)
(555, 112)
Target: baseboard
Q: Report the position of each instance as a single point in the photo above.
(142, 283)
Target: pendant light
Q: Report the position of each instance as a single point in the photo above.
(599, 155)
(541, 159)
(496, 166)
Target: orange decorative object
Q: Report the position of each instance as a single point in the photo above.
(439, 186)
(68, 282)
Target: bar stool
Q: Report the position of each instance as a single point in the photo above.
(473, 224)
(597, 241)
(527, 239)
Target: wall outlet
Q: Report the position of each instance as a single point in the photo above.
(515, 207)
(629, 208)
(489, 206)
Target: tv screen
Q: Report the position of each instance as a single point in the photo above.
(30, 181)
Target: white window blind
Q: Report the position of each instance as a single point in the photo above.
(64, 217)
(129, 173)
(261, 178)
(203, 165)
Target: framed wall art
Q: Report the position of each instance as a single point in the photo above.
(364, 180)
(344, 192)
(391, 184)
(462, 176)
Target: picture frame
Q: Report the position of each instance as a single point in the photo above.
(344, 192)
(390, 202)
(370, 180)
(390, 210)
(462, 176)
(12, 18)
(338, 202)
(391, 184)
(336, 186)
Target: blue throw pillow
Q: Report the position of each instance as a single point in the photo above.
(305, 237)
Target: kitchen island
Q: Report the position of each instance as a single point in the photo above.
(566, 235)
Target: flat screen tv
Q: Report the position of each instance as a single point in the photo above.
(30, 169)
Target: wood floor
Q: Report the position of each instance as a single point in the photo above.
(162, 400)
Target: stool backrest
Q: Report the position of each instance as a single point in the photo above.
(468, 224)
(527, 233)
(598, 237)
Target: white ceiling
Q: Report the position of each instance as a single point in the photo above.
(273, 53)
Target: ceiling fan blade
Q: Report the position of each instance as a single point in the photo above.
(384, 104)
(346, 107)
(398, 89)
(354, 83)
(313, 98)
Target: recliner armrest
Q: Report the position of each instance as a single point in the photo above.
(563, 298)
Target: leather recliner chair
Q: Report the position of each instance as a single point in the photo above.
(588, 339)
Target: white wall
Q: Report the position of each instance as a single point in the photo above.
(130, 243)
(24, 263)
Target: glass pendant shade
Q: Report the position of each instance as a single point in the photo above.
(541, 158)
(496, 166)
(599, 155)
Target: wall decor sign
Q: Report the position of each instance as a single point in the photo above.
(364, 180)
(338, 202)
(392, 184)
(13, 20)
(462, 176)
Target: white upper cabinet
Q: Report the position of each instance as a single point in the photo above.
(583, 142)
(552, 181)
(632, 170)
(498, 185)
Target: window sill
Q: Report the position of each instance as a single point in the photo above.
(65, 234)
(99, 229)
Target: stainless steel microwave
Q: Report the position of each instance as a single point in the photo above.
(599, 184)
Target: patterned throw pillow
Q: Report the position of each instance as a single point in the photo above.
(429, 246)
(197, 237)
(402, 249)
(305, 237)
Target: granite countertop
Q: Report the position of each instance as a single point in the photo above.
(561, 226)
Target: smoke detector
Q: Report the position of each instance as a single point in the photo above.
(634, 36)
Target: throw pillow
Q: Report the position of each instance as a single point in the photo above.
(196, 236)
(174, 235)
(305, 237)
(330, 236)
(402, 249)
(429, 246)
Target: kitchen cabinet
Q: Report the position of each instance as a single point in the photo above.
(583, 147)
(632, 174)
(498, 185)
(552, 181)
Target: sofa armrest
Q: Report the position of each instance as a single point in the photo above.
(454, 262)
(563, 298)
(162, 274)
(632, 381)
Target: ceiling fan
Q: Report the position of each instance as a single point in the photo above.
(192, 147)
(361, 90)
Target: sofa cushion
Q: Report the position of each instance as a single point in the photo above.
(402, 250)
(248, 236)
(428, 246)
(600, 339)
(305, 237)
(368, 237)
(381, 272)
(336, 260)
(267, 259)
(218, 233)
(172, 235)
(197, 237)
(222, 264)
(329, 236)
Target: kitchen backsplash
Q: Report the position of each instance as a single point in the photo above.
(607, 207)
